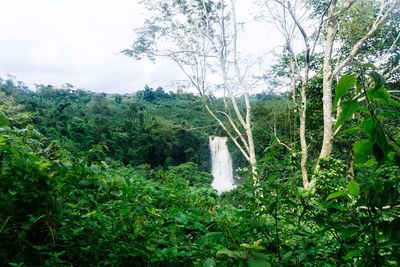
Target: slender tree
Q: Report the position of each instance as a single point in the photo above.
(287, 16)
(332, 68)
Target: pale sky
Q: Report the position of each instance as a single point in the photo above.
(78, 41)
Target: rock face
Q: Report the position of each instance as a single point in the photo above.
(221, 163)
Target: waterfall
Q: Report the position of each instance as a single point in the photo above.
(221, 163)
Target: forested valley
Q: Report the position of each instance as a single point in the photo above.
(96, 179)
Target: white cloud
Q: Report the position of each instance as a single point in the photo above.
(75, 41)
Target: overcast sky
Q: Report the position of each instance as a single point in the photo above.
(78, 41)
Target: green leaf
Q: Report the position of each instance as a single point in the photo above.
(353, 188)
(370, 65)
(350, 131)
(352, 254)
(362, 148)
(349, 107)
(348, 232)
(380, 94)
(336, 195)
(378, 79)
(125, 212)
(368, 125)
(44, 165)
(232, 254)
(3, 120)
(364, 110)
(394, 103)
(378, 152)
(258, 261)
(252, 246)
(345, 83)
(333, 205)
(380, 145)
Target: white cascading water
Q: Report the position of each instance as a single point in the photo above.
(221, 165)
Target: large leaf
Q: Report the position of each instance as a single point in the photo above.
(368, 125)
(232, 253)
(378, 79)
(333, 205)
(362, 148)
(349, 107)
(380, 94)
(394, 103)
(336, 195)
(345, 83)
(380, 145)
(353, 188)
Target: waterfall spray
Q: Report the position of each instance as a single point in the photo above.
(221, 163)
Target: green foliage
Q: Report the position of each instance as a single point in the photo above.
(330, 177)
(132, 130)
(344, 85)
(134, 195)
(374, 110)
(349, 108)
(3, 120)
(26, 194)
(190, 172)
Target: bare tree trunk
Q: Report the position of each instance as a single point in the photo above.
(327, 83)
(303, 142)
(303, 94)
(250, 141)
(245, 122)
(302, 118)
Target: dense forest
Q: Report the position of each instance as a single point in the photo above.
(89, 179)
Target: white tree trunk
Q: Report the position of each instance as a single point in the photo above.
(303, 141)
(327, 82)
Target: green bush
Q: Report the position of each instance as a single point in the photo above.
(27, 197)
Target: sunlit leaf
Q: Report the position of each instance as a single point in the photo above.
(253, 246)
(232, 254)
(336, 195)
(349, 107)
(353, 188)
(345, 83)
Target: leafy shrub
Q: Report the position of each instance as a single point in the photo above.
(190, 172)
(26, 194)
(330, 176)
